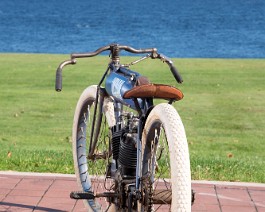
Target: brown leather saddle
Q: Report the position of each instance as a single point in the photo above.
(149, 90)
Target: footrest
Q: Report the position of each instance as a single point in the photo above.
(82, 195)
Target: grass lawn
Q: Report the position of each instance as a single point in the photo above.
(223, 112)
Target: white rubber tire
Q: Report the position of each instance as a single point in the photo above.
(179, 153)
(88, 94)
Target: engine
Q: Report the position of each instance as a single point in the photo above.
(124, 148)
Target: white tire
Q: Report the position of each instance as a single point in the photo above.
(164, 146)
(89, 172)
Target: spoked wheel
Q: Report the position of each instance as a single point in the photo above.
(166, 179)
(91, 157)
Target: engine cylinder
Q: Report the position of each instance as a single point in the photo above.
(128, 154)
(116, 137)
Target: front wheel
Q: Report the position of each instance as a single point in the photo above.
(91, 156)
(166, 178)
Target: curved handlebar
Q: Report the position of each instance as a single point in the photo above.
(113, 47)
(116, 47)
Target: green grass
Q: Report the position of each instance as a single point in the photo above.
(223, 112)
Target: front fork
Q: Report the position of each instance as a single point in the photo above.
(139, 155)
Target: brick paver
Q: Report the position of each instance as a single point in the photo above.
(50, 192)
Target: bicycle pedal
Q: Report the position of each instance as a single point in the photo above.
(82, 195)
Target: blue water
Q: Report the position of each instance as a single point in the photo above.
(178, 28)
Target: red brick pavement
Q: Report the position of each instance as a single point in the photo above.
(50, 192)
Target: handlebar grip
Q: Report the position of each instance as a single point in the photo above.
(175, 73)
(58, 81)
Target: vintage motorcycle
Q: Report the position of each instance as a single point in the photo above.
(129, 154)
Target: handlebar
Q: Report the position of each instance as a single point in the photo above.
(115, 49)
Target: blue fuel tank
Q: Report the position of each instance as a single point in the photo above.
(117, 83)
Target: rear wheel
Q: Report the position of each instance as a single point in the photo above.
(91, 171)
(166, 179)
